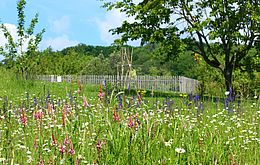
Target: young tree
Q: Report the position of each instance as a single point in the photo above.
(222, 31)
(21, 53)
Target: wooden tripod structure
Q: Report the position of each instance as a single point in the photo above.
(126, 66)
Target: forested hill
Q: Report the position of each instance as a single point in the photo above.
(84, 49)
(86, 59)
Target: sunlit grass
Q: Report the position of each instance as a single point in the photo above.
(61, 125)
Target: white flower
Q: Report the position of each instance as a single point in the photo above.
(80, 156)
(46, 127)
(169, 143)
(180, 150)
(22, 147)
(227, 93)
(233, 138)
(2, 159)
(29, 160)
(62, 161)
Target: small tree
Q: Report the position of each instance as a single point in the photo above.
(15, 52)
(222, 31)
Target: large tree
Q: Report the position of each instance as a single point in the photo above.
(222, 31)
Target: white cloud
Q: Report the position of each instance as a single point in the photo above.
(12, 29)
(60, 25)
(58, 43)
(112, 20)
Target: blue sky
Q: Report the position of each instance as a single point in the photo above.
(67, 22)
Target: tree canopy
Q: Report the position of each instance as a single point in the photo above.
(18, 54)
(222, 32)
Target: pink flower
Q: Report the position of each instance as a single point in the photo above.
(38, 115)
(49, 108)
(131, 122)
(116, 117)
(64, 118)
(41, 162)
(100, 94)
(99, 145)
(139, 98)
(78, 91)
(35, 143)
(62, 149)
(54, 141)
(66, 140)
(79, 87)
(23, 118)
(71, 151)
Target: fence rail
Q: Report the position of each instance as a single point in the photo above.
(159, 83)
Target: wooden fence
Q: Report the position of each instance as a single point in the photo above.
(159, 83)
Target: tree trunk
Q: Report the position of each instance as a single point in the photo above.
(228, 71)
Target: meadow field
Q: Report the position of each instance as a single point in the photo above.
(60, 123)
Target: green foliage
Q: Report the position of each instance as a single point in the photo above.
(221, 32)
(245, 83)
(62, 126)
(79, 59)
(17, 57)
(13, 85)
(84, 49)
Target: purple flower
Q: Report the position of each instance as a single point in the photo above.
(230, 96)
(239, 103)
(105, 82)
(226, 103)
(129, 88)
(190, 96)
(35, 100)
(197, 97)
(120, 104)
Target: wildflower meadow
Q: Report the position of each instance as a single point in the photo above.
(214, 43)
(101, 125)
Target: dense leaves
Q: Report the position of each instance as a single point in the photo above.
(18, 55)
(223, 32)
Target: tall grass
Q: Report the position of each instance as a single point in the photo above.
(76, 127)
(13, 85)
